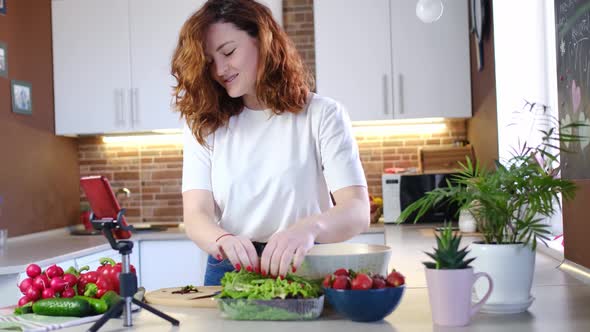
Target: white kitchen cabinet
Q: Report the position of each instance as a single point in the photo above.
(90, 66)
(171, 263)
(113, 75)
(379, 60)
(112, 63)
(353, 56)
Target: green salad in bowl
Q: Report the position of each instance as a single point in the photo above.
(251, 296)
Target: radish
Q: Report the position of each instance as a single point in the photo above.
(41, 282)
(33, 294)
(33, 270)
(53, 271)
(70, 292)
(58, 284)
(25, 284)
(22, 301)
(70, 279)
(48, 293)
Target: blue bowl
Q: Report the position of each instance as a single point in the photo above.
(365, 305)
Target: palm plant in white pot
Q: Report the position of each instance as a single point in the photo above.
(510, 204)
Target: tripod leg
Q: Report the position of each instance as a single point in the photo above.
(156, 312)
(106, 316)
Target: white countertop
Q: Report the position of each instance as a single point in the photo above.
(58, 245)
(562, 302)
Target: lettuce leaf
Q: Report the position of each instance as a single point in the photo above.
(250, 285)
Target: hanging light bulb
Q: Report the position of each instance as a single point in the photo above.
(429, 11)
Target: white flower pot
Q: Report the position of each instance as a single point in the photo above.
(511, 267)
(467, 222)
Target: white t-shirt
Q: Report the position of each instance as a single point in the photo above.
(268, 171)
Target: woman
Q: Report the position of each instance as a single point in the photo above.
(261, 152)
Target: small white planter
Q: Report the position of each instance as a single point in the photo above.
(511, 266)
(467, 222)
(449, 294)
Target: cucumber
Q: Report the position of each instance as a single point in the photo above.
(70, 307)
(25, 309)
(98, 306)
(111, 298)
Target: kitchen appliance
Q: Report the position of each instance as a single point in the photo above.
(401, 190)
(390, 184)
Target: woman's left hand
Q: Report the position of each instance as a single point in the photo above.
(284, 247)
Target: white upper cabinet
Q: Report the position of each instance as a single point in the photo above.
(90, 66)
(382, 62)
(112, 63)
(353, 56)
(154, 28)
(431, 63)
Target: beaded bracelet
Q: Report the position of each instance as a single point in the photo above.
(226, 234)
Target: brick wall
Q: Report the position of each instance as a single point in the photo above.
(153, 172)
(298, 23)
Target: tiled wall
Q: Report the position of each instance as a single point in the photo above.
(153, 172)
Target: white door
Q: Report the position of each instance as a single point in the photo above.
(91, 66)
(431, 62)
(154, 35)
(353, 56)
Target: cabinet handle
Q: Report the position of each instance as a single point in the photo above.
(117, 107)
(136, 104)
(131, 107)
(400, 92)
(385, 92)
(119, 104)
(122, 106)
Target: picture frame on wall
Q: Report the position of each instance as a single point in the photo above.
(3, 59)
(3, 7)
(22, 97)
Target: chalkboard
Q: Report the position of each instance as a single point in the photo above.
(572, 19)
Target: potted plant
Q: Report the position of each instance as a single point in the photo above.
(510, 204)
(450, 280)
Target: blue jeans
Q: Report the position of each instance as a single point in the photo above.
(216, 269)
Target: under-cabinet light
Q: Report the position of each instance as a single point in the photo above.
(144, 139)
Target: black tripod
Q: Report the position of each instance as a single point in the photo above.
(128, 280)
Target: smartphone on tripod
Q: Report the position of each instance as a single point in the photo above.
(103, 202)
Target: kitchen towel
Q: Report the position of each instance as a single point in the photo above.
(38, 323)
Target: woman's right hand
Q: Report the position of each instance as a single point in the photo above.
(239, 250)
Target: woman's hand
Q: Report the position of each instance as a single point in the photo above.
(284, 247)
(239, 250)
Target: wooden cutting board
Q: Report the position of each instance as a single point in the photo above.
(164, 296)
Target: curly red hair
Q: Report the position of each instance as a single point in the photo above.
(282, 82)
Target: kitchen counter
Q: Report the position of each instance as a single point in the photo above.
(562, 302)
(58, 245)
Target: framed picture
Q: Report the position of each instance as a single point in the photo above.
(3, 60)
(22, 97)
(3, 7)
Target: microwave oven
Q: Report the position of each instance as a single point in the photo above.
(401, 190)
